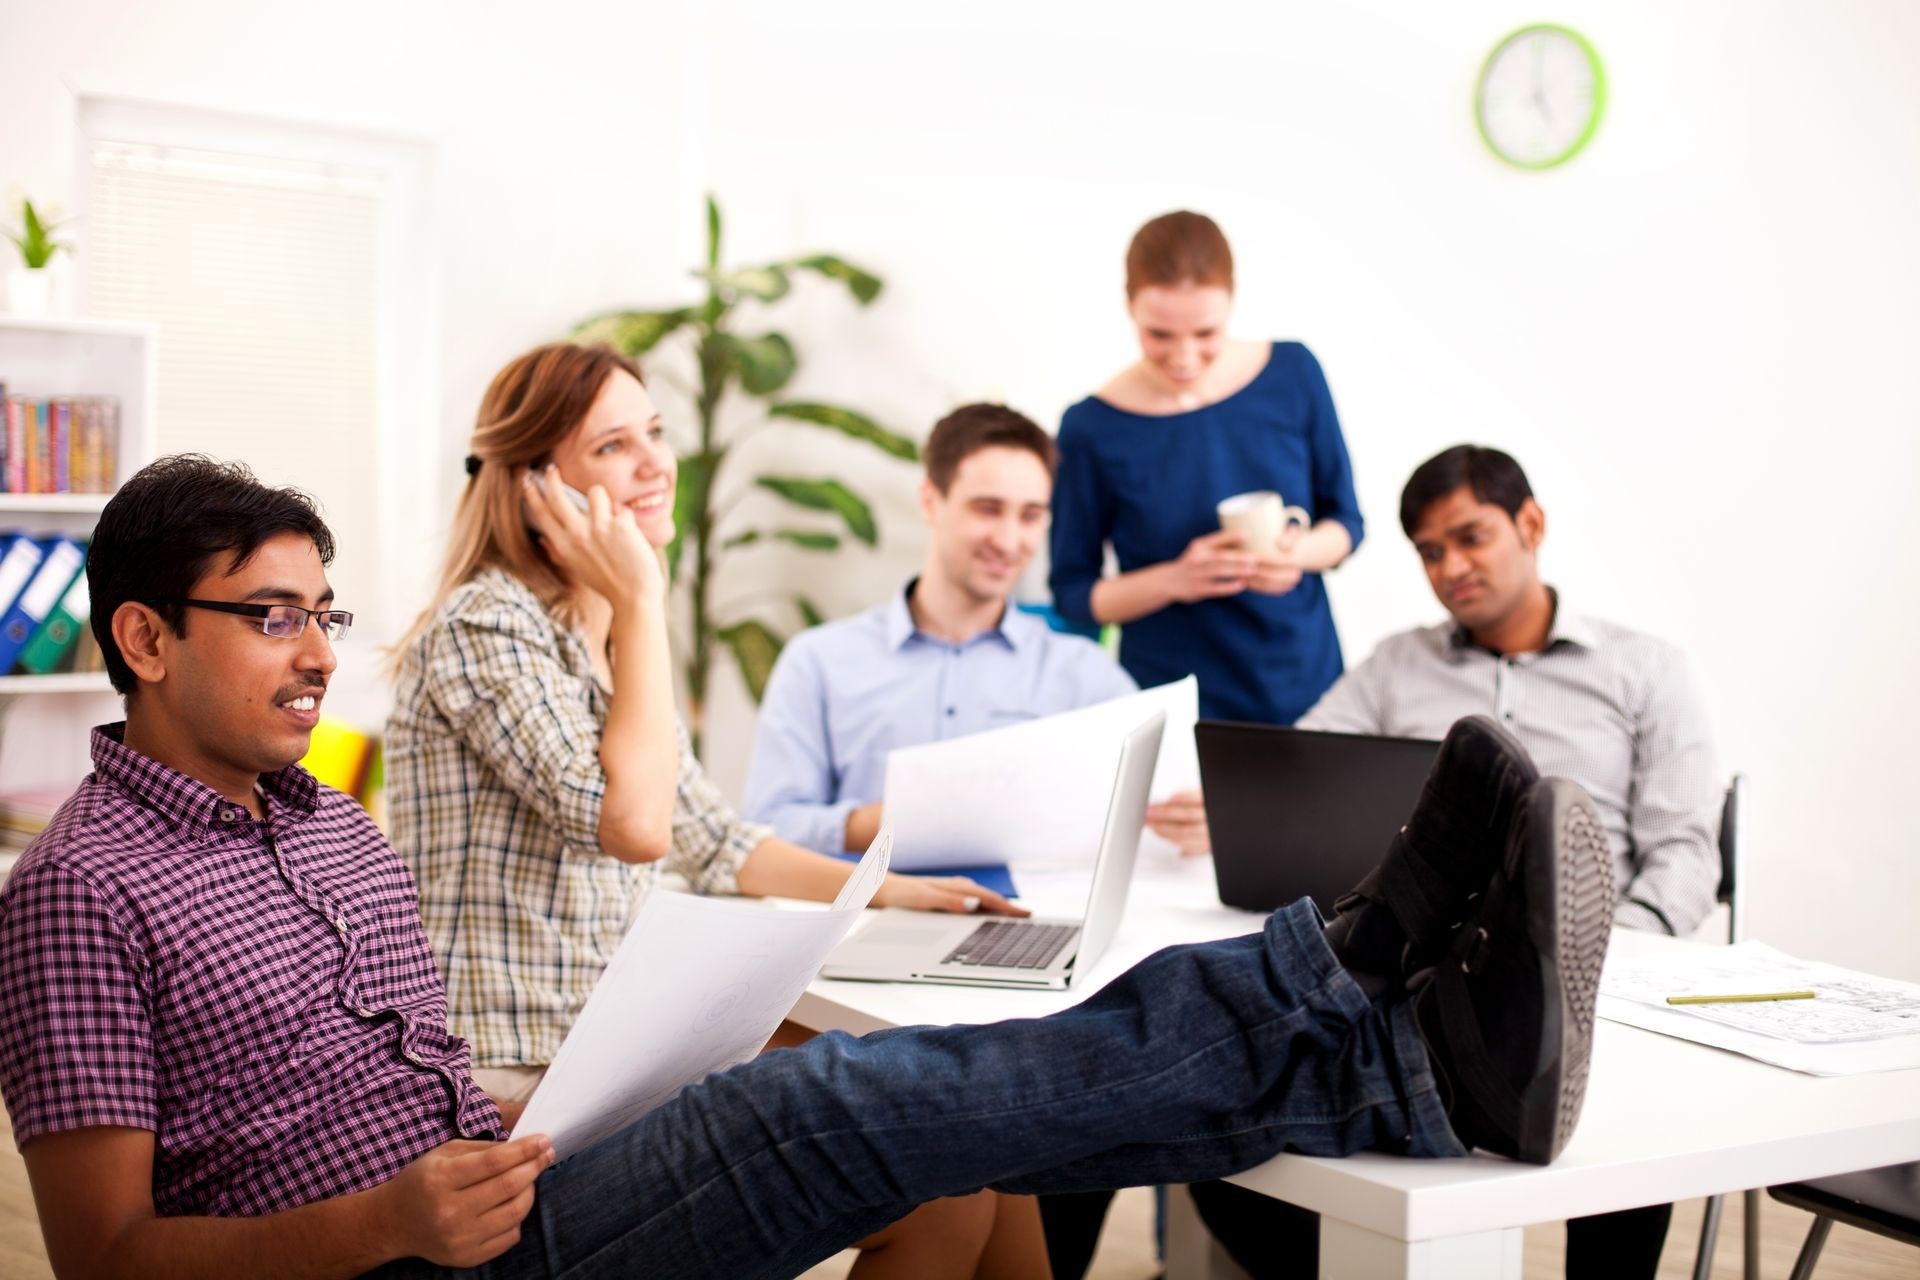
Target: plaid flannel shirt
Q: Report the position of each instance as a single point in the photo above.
(494, 788)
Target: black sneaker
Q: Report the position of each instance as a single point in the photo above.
(1399, 919)
(1508, 1013)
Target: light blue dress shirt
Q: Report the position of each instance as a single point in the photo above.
(845, 694)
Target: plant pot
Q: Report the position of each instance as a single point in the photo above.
(29, 292)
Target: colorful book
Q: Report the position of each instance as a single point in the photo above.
(16, 445)
(48, 647)
(59, 446)
(62, 559)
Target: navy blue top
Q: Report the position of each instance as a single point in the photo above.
(1149, 485)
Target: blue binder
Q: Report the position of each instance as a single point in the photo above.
(61, 560)
(20, 558)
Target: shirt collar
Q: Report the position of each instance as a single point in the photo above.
(1569, 627)
(186, 802)
(1015, 627)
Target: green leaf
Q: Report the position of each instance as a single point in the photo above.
(827, 495)
(806, 539)
(754, 648)
(864, 285)
(769, 284)
(809, 611)
(765, 364)
(631, 333)
(848, 423)
(690, 493)
(713, 234)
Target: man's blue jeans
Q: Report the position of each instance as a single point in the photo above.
(1198, 1062)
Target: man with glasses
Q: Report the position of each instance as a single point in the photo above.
(225, 1047)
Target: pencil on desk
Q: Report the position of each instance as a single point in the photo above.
(1752, 998)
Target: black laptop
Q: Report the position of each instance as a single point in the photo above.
(1298, 813)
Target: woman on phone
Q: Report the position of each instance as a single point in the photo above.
(1145, 463)
(538, 776)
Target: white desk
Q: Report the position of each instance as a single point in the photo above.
(1664, 1119)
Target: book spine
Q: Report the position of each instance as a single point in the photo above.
(6, 453)
(16, 446)
(60, 445)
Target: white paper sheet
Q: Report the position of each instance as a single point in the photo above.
(1856, 1022)
(1035, 792)
(698, 985)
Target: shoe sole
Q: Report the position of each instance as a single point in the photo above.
(1568, 879)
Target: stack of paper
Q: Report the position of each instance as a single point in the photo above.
(1854, 1023)
(656, 1024)
(1033, 793)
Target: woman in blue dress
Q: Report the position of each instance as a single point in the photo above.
(1145, 461)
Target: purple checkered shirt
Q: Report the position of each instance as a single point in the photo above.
(258, 994)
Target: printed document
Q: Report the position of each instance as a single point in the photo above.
(1855, 1022)
(698, 985)
(1035, 792)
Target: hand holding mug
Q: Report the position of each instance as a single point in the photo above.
(1213, 565)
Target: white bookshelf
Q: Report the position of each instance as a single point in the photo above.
(44, 720)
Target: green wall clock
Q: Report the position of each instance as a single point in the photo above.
(1540, 96)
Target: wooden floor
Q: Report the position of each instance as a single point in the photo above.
(1126, 1250)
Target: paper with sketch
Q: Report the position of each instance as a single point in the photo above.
(1855, 1022)
(697, 985)
(1035, 792)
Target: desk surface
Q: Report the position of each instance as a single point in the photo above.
(1664, 1119)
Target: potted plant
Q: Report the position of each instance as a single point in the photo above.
(29, 287)
(728, 366)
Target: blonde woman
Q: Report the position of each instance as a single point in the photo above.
(539, 778)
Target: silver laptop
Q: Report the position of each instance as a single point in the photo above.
(917, 946)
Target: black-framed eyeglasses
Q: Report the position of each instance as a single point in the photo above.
(281, 621)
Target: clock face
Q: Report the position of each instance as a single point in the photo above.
(1540, 96)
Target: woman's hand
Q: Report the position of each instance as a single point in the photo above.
(601, 549)
(1280, 570)
(943, 893)
(1213, 565)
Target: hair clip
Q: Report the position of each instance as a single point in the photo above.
(473, 465)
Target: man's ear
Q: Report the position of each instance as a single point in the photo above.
(144, 639)
(1531, 520)
(929, 499)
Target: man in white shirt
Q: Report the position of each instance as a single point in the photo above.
(1610, 708)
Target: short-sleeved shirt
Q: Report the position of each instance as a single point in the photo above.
(1150, 485)
(257, 994)
(494, 788)
(1611, 708)
(845, 694)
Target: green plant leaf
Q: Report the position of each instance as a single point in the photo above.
(754, 648)
(864, 285)
(690, 493)
(632, 333)
(769, 284)
(848, 423)
(827, 495)
(805, 539)
(809, 611)
(765, 363)
(713, 233)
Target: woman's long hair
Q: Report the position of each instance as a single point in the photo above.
(531, 406)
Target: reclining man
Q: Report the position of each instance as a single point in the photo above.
(1610, 708)
(226, 1048)
(947, 656)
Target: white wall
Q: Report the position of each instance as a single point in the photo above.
(1698, 337)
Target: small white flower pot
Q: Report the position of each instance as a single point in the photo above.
(29, 292)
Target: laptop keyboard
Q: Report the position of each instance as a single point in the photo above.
(1013, 944)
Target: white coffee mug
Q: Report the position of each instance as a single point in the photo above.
(1262, 516)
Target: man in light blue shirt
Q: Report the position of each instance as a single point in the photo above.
(947, 656)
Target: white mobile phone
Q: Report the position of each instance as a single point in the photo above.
(572, 494)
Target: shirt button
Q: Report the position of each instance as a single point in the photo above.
(949, 710)
(364, 1012)
(413, 1057)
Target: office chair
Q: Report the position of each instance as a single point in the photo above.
(1884, 1201)
(1733, 879)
